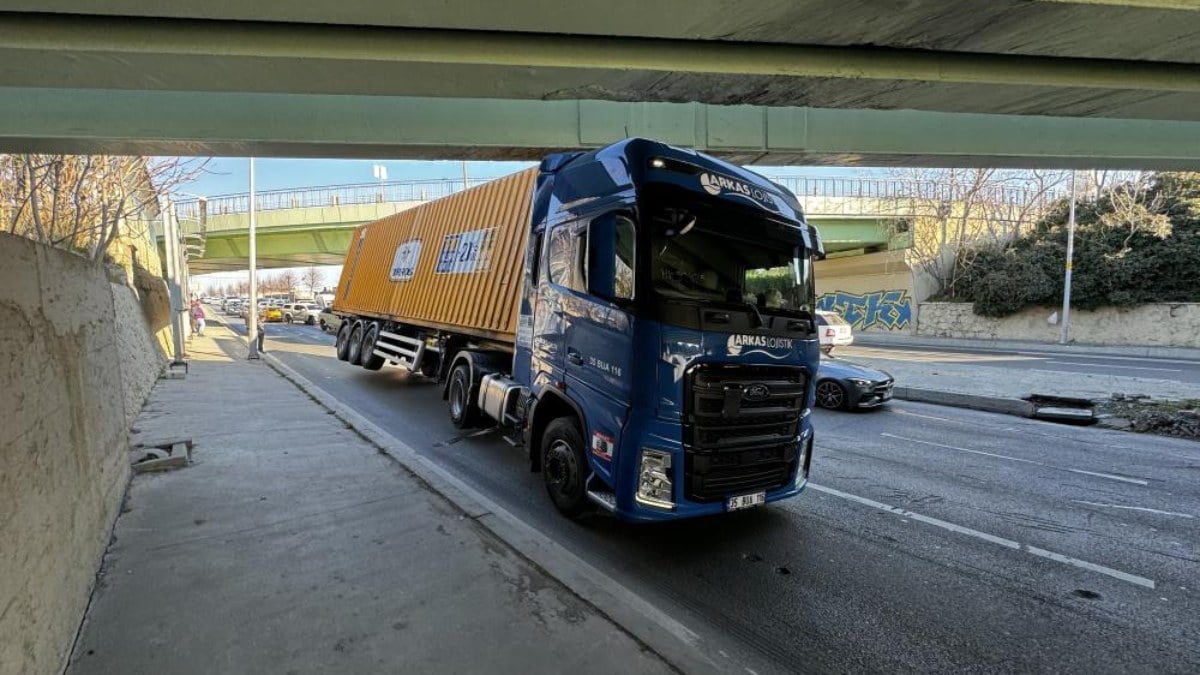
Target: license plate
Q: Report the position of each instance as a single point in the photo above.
(887, 395)
(746, 501)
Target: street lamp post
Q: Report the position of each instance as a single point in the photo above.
(1064, 335)
(252, 311)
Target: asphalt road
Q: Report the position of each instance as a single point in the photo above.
(1177, 370)
(931, 539)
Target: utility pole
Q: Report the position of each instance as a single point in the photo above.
(1064, 335)
(252, 312)
(464, 167)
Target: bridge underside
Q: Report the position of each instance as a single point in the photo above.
(280, 245)
(1112, 83)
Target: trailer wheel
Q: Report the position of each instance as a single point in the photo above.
(463, 412)
(342, 343)
(355, 346)
(370, 360)
(564, 466)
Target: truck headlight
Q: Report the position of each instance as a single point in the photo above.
(806, 445)
(654, 479)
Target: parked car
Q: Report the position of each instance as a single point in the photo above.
(845, 385)
(301, 312)
(233, 308)
(834, 331)
(329, 322)
(270, 313)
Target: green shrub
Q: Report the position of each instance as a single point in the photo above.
(1124, 255)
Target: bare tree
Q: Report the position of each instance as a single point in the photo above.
(946, 212)
(312, 278)
(84, 202)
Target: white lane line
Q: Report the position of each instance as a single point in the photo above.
(1135, 508)
(1123, 479)
(990, 538)
(1110, 365)
(928, 417)
(1051, 355)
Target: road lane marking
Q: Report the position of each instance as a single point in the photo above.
(1135, 508)
(1123, 479)
(928, 417)
(1051, 355)
(1109, 365)
(990, 538)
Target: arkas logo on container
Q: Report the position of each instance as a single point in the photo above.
(738, 344)
(715, 184)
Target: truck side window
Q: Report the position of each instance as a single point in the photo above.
(565, 258)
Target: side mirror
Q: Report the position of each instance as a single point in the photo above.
(611, 250)
(601, 250)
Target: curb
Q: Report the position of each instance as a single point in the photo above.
(996, 404)
(676, 644)
(884, 340)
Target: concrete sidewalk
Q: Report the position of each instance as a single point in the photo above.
(292, 545)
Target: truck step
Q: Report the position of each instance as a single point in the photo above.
(604, 498)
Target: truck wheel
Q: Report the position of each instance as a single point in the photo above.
(355, 347)
(463, 412)
(343, 342)
(564, 466)
(370, 360)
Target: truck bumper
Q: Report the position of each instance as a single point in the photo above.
(663, 436)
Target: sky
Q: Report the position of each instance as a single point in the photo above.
(230, 175)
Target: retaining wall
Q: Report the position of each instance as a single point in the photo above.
(1153, 325)
(77, 359)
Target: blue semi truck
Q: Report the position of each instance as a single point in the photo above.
(642, 322)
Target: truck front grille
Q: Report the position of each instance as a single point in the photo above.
(740, 427)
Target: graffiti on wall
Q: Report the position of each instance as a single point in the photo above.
(891, 310)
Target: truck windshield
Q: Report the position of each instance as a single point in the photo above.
(708, 267)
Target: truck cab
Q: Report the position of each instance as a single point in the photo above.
(666, 343)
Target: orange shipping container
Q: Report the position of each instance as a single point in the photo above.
(452, 264)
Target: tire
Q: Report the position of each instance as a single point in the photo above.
(367, 357)
(355, 349)
(832, 395)
(464, 414)
(324, 328)
(565, 467)
(342, 344)
(287, 318)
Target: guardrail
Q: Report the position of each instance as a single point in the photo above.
(827, 195)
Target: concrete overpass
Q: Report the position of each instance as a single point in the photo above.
(312, 226)
(1112, 83)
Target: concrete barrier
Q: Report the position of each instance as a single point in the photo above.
(996, 404)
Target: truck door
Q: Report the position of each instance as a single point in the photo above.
(595, 269)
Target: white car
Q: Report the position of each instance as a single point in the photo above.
(301, 312)
(834, 331)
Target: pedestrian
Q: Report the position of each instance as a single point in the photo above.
(262, 336)
(198, 317)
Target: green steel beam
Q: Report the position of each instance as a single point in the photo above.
(302, 244)
(192, 123)
(295, 43)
